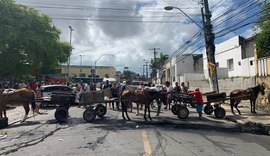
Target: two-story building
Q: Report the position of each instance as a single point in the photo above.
(234, 58)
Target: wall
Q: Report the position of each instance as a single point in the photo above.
(188, 77)
(225, 85)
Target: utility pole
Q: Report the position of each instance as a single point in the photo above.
(155, 59)
(70, 38)
(210, 47)
(143, 72)
(146, 69)
(81, 64)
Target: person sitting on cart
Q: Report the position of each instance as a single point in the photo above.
(177, 88)
(199, 101)
(184, 89)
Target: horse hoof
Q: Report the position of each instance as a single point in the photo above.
(129, 119)
(255, 112)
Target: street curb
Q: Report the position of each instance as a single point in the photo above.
(251, 127)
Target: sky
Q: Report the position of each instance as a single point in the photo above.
(121, 33)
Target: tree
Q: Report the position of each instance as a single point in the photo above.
(263, 37)
(29, 43)
(158, 65)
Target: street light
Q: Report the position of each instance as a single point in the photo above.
(209, 42)
(96, 63)
(81, 65)
(168, 8)
(70, 37)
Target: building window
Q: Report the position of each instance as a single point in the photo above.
(230, 64)
(251, 63)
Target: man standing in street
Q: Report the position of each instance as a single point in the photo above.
(199, 101)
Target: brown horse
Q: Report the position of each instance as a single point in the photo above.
(145, 97)
(249, 94)
(21, 96)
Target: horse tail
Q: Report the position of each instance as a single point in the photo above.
(33, 102)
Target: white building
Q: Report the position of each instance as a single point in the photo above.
(234, 58)
(184, 68)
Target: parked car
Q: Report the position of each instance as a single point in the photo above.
(47, 91)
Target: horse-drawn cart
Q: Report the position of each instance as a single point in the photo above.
(217, 99)
(181, 100)
(62, 100)
(94, 102)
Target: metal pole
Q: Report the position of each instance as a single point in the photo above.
(96, 64)
(95, 70)
(70, 37)
(81, 65)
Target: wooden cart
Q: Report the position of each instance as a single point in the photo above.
(180, 101)
(218, 99)
(62, 100)
(94, 103)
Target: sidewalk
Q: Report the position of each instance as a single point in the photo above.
(255, 123)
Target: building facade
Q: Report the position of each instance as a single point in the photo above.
(234, 58)
(85, 71)
(179, 68)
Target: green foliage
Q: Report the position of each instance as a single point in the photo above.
(29, 43)
(130, 75)
(158, 64)
(263, 37)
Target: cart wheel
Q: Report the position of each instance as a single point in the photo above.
(208, 109)
(100, 110)
(220, 112)
(61, 114)
(89, 115)
(175, 109)
(183, 112)
(3, 122)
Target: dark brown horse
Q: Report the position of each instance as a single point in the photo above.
(249, 94)
(21, 96)
(145, 97)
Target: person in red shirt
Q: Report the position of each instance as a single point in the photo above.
(199, 101)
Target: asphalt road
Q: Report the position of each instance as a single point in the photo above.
(165, 135)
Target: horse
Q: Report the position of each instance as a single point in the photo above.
(145, 97)
(22, 96)
(249, 94)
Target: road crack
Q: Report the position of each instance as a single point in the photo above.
(17, 146)
(160, 144)
(94, 144)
